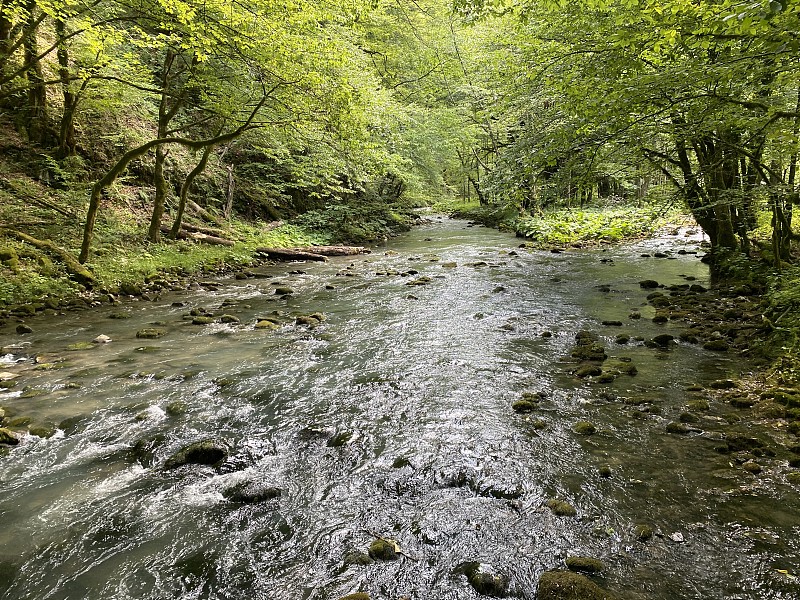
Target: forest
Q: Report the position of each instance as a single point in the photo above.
(393, 299)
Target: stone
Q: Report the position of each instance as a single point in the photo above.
(150, 333)
(340, 439)
(283, 291)
(584, 564)
(561, 508)
(566, 585)
(523, 406)
(752, 466)
(663, 340)
(202, 320)
(384, 549)
(77, 346)
(717, 346)
(643, 532)
(101, 339)
(42, 430)
(648, 284)
(252, 492)
(584, 428)
(269, 325)
(177, 407)
(484, 580)
(722, 384)
(205, 452)
(588, 371)
(356, 596)
(229, 319)
(23, 329)
(357, 558)
(612, 323)
(604, 471)
(8, 437)
(679, 428)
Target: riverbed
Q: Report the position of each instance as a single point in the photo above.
(391, 418)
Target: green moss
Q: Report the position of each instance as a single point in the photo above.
(561, 508)
(383, 549)
(643, 532)
(566, 585)
(584, 564)
(81, 346)
(584, 428)
(150, 333)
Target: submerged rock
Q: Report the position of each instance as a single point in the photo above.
(566, 585)
(204, 452)
(356, 596)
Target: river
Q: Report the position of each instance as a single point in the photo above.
(391, 419)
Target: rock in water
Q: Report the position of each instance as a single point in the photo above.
(383, 549)
(204, 452)
(566, 585)
(251, 492)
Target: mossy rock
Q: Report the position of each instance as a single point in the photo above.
(588, 371)
(42, 430)
(584, 564)
(356, 596)
(753, 467)
(687, 417)
(384, 549)
(268, 325)
(604, 471)
(283, 291)
(178, 407)
(307, 320)
(643, 532)
(8, 437)
(524, 406)
(622, 339)
(794, 427)
(252, 492)
(584, 428)
(698, 405)
(77, 346)
(794, 477)
(202, 320)
(150, 333)
(357, 558)
(566, 585)
(663, 340)
(722, 384)
(204, 452)
(561, 508)
(8, 253)
(30, 392)
(648, 284)
(678, 428)
(229, 319)
(717, 346)
(119, 315)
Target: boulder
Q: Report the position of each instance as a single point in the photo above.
(8, 437)
(566, 585)
(252, 492)
(384, 549)
(584, 564)
(561, 508)
(150, 333)
(204, 452)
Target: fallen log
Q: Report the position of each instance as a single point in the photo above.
(200, 237)
(79, 272)
(207, 230)
(335, 250)
(314, 250)
(289, 254)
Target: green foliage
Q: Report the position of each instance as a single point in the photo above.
(362, 224)
(598, 225)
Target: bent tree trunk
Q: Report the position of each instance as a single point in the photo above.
(176, 226)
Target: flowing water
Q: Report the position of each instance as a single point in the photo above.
(391, 419)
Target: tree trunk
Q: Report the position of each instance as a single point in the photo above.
(66, 133)
(229, 188)
(36, 122)
(154, 232)
(176, 225)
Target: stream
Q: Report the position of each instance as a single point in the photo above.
(391, 419)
